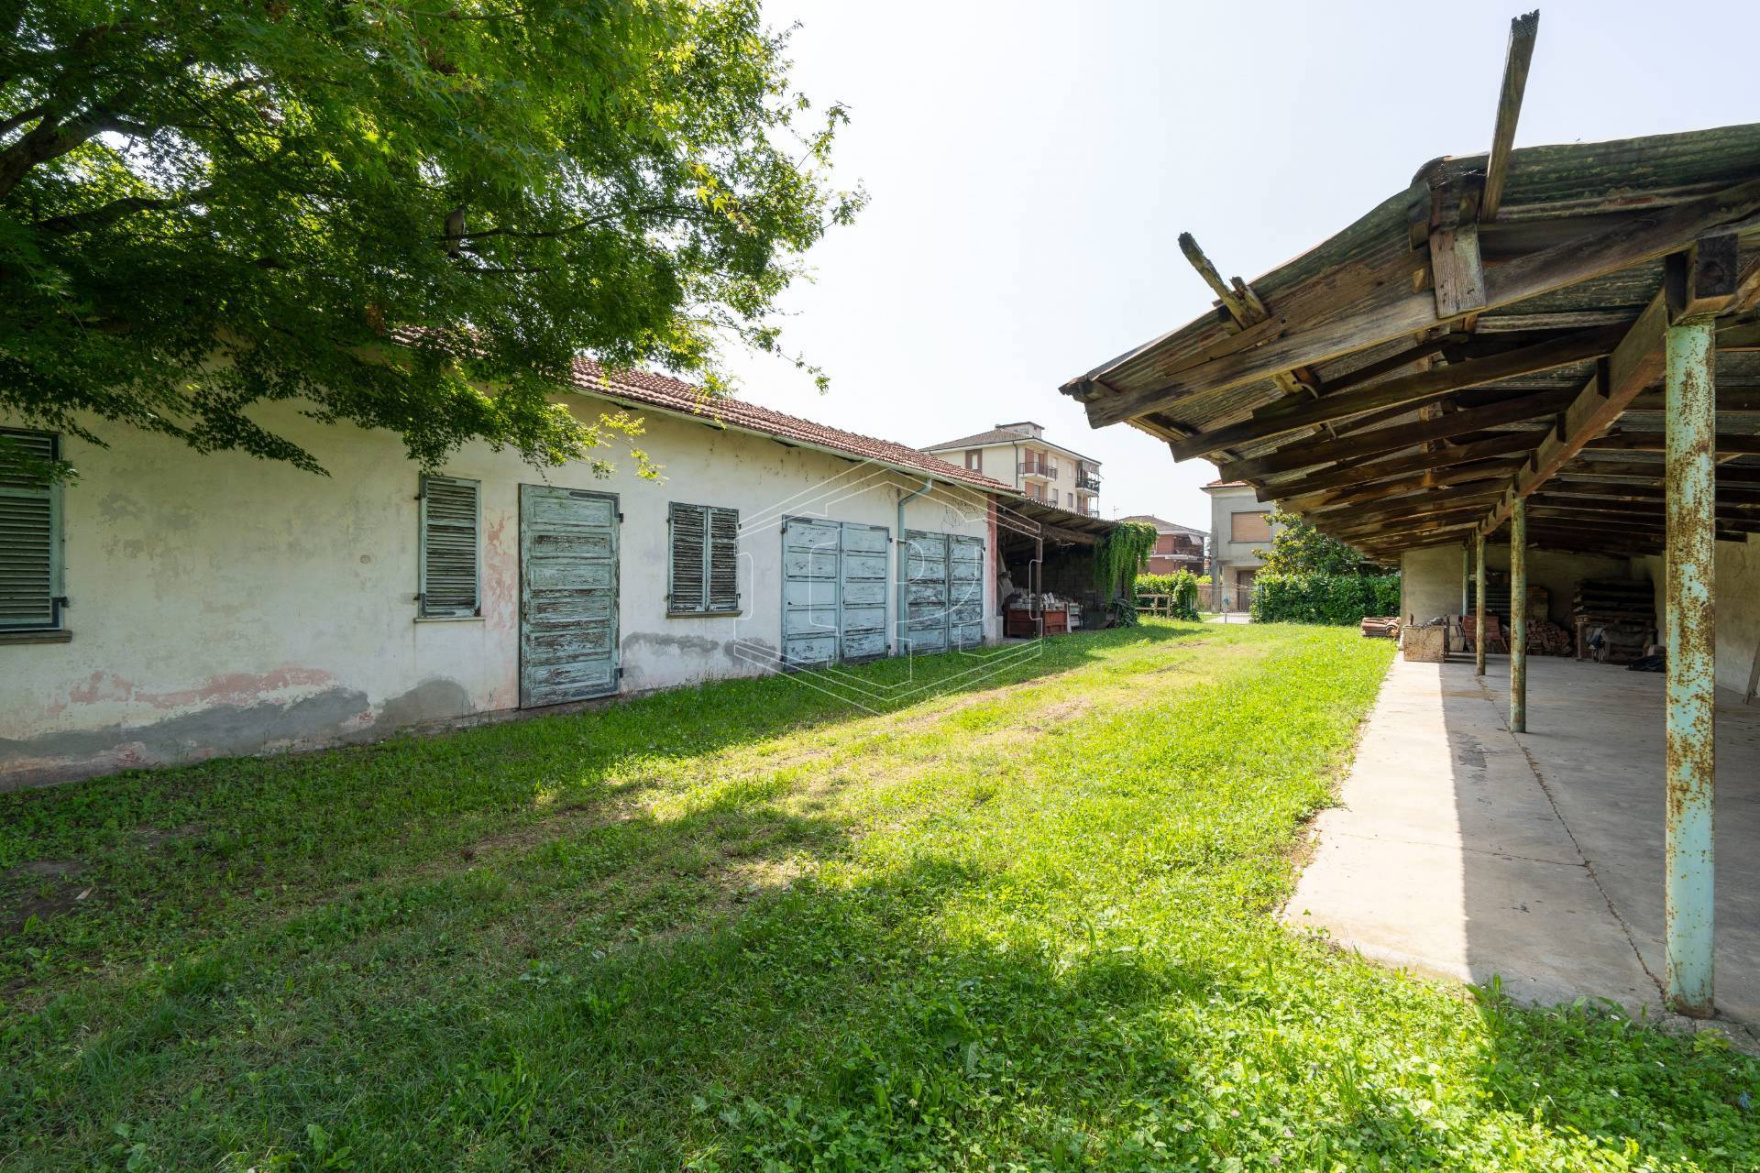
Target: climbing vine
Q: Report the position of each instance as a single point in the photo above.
(1119, 558)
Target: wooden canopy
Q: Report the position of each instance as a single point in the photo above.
(1493, 332)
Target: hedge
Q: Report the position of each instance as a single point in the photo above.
(1323, 598)
(1180, 585)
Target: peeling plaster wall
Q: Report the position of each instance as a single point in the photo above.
(224, 605)
(1430, 582)
(1737, 603)
(1430, 578)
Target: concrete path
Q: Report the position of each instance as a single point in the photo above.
(1462, 850)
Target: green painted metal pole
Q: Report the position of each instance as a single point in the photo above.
(1518, 617)
(1690, 472)
(1479, 605)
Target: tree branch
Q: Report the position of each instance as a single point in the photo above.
(107, 214)
(48, 141)
(8, 125)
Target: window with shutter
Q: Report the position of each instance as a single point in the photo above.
(703, 569)
(450, 520)
(30, 533)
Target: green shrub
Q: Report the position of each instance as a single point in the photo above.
(1181, 586)
(1323, 598)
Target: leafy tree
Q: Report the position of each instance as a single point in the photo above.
(382, 207)
(1299, 548)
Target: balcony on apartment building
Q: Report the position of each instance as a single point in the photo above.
(1087, 478)
(1037, 464)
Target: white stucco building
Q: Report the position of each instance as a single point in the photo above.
(167, 607)
(1021, 456)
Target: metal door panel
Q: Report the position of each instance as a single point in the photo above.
(834, 591)
(568, 595)
(944, 592)
(864, 593)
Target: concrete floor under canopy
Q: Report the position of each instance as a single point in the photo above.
(1463, 850)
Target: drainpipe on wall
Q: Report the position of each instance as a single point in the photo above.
(904, 552)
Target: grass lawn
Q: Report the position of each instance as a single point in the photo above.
(1022, 924)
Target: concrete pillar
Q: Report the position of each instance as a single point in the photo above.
(1518, 617)
(1692, 688)
(1479, 604)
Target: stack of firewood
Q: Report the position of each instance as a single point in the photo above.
(1614, 619)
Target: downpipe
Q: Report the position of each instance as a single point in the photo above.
(904, 552)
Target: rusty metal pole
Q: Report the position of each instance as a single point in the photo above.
(1479, 605)
(1518, 617)
(1691, 637)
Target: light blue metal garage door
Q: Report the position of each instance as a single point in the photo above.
(944, 591)
(568, 595)
(833, 591)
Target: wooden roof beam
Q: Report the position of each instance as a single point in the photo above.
(1417, 462)
(1522, 32)
(1728, 444)
(1283, 345)
(1421, 483)
(1245, 307)
(1407, 391)
(1636, 362)
(1392, 439)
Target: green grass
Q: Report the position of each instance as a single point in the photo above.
(1023, 924)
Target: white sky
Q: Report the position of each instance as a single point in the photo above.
(1031, 165)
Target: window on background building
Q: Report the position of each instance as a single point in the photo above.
(451, 517)
(703, 570)
(1249, 527)
(30, 519)
(975, 459)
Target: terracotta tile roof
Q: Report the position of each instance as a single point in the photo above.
(675, 396)
(1166, 526)
(1221, 484)
(647, 389)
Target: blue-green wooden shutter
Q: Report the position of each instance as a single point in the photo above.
(687, 576)
(30, 533)
(724, 560)
(703, 559)
(451, 518)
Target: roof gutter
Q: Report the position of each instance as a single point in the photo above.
(904, 552)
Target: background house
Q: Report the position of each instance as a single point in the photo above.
(1020, 456)
(167, 607)
(1177, 547)
(1239, 531)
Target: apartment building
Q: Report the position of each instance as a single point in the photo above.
(1020, 455)
(1177, 547)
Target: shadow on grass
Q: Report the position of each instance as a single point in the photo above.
(148, 863)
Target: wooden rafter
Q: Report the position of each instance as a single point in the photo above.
(1407, 391)
(1636, 363)
(1371, 443)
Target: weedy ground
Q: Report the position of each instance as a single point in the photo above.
(1022, 920)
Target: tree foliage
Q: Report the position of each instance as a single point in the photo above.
(385, 208)
(1299, 548)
